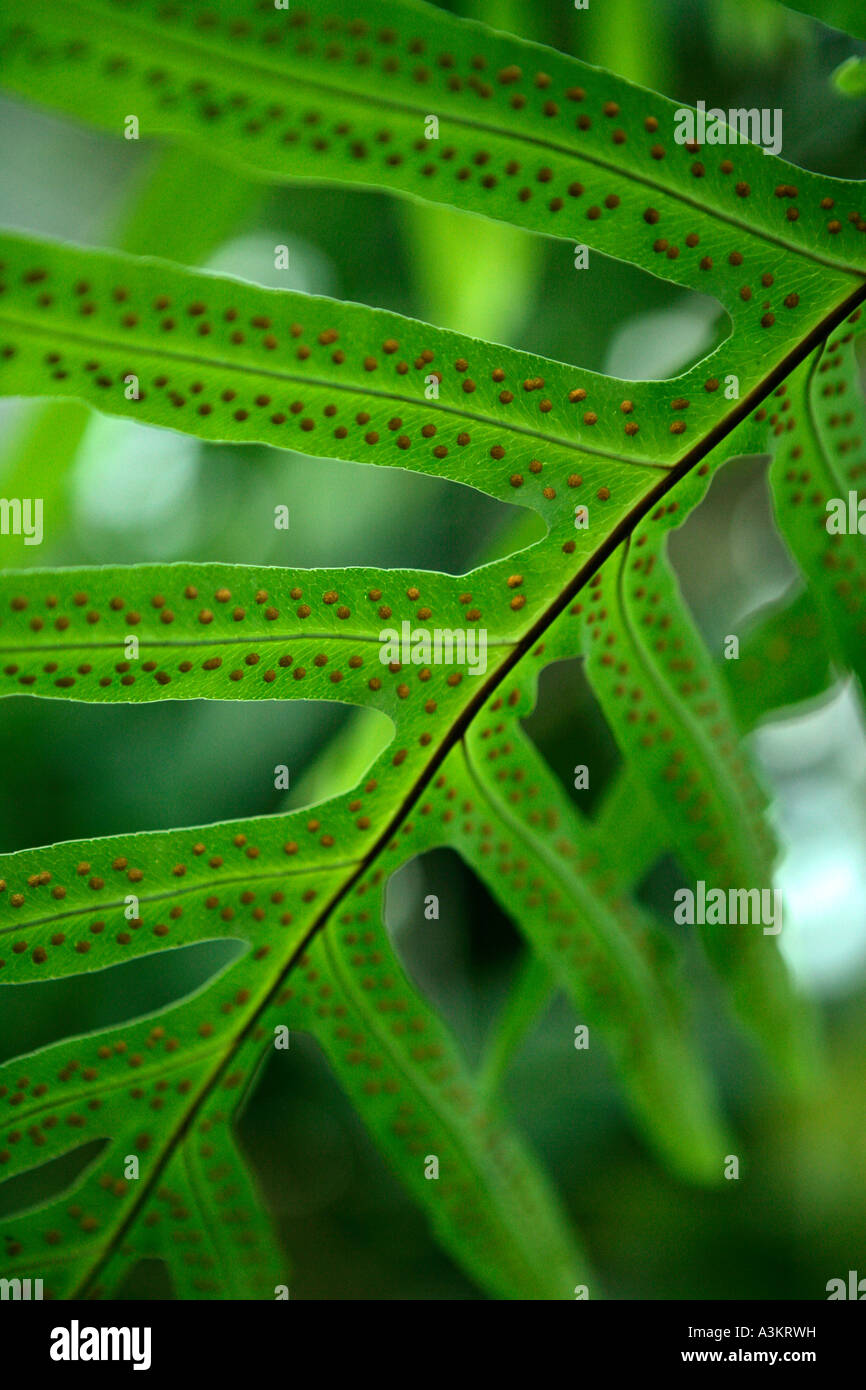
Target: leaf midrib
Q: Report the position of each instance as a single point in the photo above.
(34, 329)
(817, 430)
(205, 1208)
(100, 905)
(618, 947)
(419, 1083)
(160, 1067)
(150, 644)
(686, 716)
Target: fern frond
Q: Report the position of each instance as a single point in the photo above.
(538, 140)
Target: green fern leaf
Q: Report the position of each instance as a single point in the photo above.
(818, 460)
(838, 14)
(532, 138)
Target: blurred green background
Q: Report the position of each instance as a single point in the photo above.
(117, 492)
